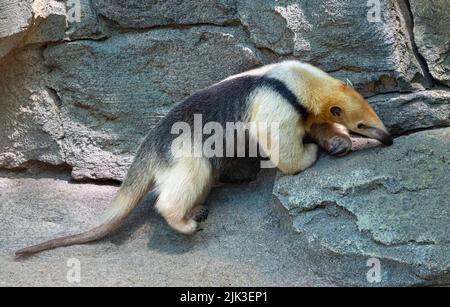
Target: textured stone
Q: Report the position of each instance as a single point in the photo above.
(130, 61)
(386, 203)
(48, 23)
(381, 56)
(109, 102)
(245, 240)
(14, 16)
(82, 94)
(30, 22)
(146, 14)
(403, 113)
(88, 26)
(337, 36)
(30, 123)
(432, 35)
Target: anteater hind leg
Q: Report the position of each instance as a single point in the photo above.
(182, 188)
(199, 213)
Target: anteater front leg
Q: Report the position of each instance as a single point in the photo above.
(286, 149)
(333, 138)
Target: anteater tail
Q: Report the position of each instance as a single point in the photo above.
(133, 189)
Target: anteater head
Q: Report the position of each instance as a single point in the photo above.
(344, 105)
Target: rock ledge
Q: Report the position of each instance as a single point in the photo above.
(386, 203)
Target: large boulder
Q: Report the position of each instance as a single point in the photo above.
(378, 55)
(432, 35)
(338, 36)
(244, 241)
(402, 113)
(101, 83)
(81, 94)
(390, 205)
(30, 117)
(109, 102)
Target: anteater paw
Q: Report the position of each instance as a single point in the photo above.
(338, 145)
(199, 214)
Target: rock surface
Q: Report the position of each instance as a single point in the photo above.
(245, 241)
(95, 86)
(83, 22)
(391, 204)
(330, 33)
(30, 22)
(147, 14)
(14, 17)
(80, 94)
(107, 111)
(30, 120)
(432, 35)
(415, 111)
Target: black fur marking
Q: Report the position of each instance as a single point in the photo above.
(279, 87)
(223, 102)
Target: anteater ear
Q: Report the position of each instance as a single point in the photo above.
(336, 111)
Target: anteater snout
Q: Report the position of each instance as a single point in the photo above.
(384, 137)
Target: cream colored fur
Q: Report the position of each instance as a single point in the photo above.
(182, 187)
(305, 81)
(267, 107)
(184, 183)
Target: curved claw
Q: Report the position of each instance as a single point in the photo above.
(338, 145)
(200, 214)
(339, 152)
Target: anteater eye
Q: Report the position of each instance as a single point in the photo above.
(361, 126)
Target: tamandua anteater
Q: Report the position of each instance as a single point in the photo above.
(300, 97)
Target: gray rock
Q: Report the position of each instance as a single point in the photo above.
(147, 14)
(391, 204)
(84, 22)
(245, 240)
(30, 22)
(408, 112)
(14, 16)
(82, 94)
(130, 61)
(109, 102)
(30, 122)
(338, 37)
(381, 59)
(432, 35)
(48, 23)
